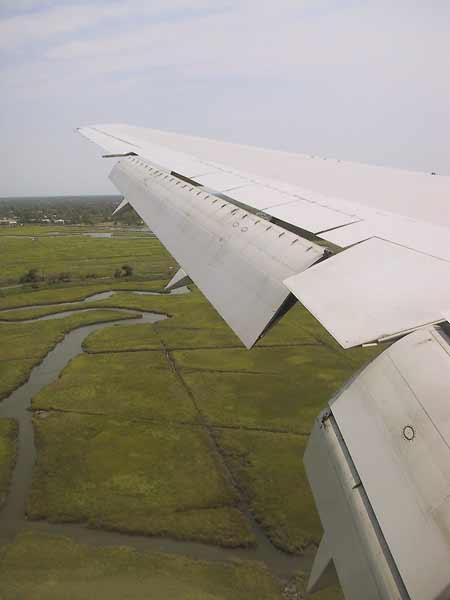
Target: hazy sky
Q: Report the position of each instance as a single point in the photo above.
(358, 80)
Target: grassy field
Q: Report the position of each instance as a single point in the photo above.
(81, 256)
(133, 476)
(168, 428)
(70, 230)
(129, 372)
(150, 337)
(44, 230)
(234, 387)
(138, 385)
(268, 468)
(42, 567)
(24, 345)
(8, 435)
(332, 593)
(14, 298)
(195, 325)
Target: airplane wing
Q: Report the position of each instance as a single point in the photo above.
(250, 228)
(394, 278)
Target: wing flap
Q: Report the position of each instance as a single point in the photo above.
(374, 290)
(238, 260)
(378, 462)
(394, 420)
(350, 537)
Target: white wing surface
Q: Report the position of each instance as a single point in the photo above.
(419, 196)
(238, 260)
(374, 289)
(396, 278)
(379, 466)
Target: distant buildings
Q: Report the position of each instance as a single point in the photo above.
(11, 221)
(47, 220)
(61, 211)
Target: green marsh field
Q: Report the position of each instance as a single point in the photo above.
(166, 432)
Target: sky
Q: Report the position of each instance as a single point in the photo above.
(357, 80)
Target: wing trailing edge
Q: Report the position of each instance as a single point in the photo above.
(238, 260)
(374, 290)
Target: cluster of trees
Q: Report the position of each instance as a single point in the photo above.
(33, 277)
(124, 271)
(82, 210)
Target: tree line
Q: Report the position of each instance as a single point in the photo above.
(73, 210)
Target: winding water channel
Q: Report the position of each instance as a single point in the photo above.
(13, 515)
(92, 298)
